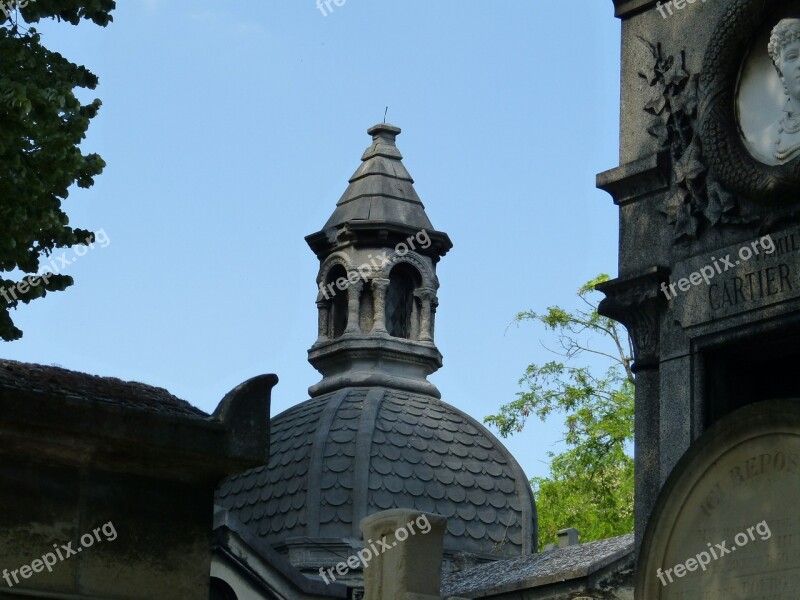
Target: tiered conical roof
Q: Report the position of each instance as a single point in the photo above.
(380, 197)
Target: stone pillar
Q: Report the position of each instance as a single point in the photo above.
(411, 565)
(637, 303)
(568, 537)
(379, 286)
(323, 311)
(353, 305)
(426, 296)
(434, 306)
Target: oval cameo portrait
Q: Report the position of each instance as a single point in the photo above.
(768, 99)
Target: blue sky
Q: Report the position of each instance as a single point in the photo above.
(230, 131)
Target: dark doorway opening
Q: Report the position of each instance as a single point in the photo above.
(751, 370)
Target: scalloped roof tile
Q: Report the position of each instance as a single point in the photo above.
(422, 454)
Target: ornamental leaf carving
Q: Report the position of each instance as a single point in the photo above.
(689, 166)
(695, 200)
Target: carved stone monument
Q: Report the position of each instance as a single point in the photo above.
(728, 522)
(709, 283)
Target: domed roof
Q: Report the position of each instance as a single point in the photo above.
(344, 455)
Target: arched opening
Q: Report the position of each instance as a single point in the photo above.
(337, 316)
(401, 306)
(220, 590)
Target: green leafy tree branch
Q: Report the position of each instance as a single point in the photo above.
(42, 124)
(590, 485)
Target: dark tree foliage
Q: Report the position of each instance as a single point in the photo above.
(42, 124)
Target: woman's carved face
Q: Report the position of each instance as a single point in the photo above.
(789, 65)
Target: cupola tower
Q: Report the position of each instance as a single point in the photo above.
(377, 279)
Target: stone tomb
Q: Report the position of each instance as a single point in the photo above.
(708, 192)
(726, 524)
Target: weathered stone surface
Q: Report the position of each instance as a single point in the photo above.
(252, 570)
(412, 565)
(582, 568)
(726, 524)
(764, 279)
(58, 382)
(121, 470)
(697, 91)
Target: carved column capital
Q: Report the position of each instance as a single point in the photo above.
(637, 302)
(379, 284)
(425, 294)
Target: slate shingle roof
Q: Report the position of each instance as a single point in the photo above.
(538, 570)
(342, 456)
(55, 381)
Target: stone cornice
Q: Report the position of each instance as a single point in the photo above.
(624, 9)
(637, 303)
(636, 179)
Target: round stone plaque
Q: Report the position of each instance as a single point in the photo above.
(726, 525)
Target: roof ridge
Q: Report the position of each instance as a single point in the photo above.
(59, 381)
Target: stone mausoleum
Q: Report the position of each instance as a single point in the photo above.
(709, 289)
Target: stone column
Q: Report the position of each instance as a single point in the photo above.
(426, 296)
(434, 306)
(379, 286)
(353, 305)
(637, 303)
(323, 311)
(411, 565)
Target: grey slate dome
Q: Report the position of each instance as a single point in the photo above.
(342, 456)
